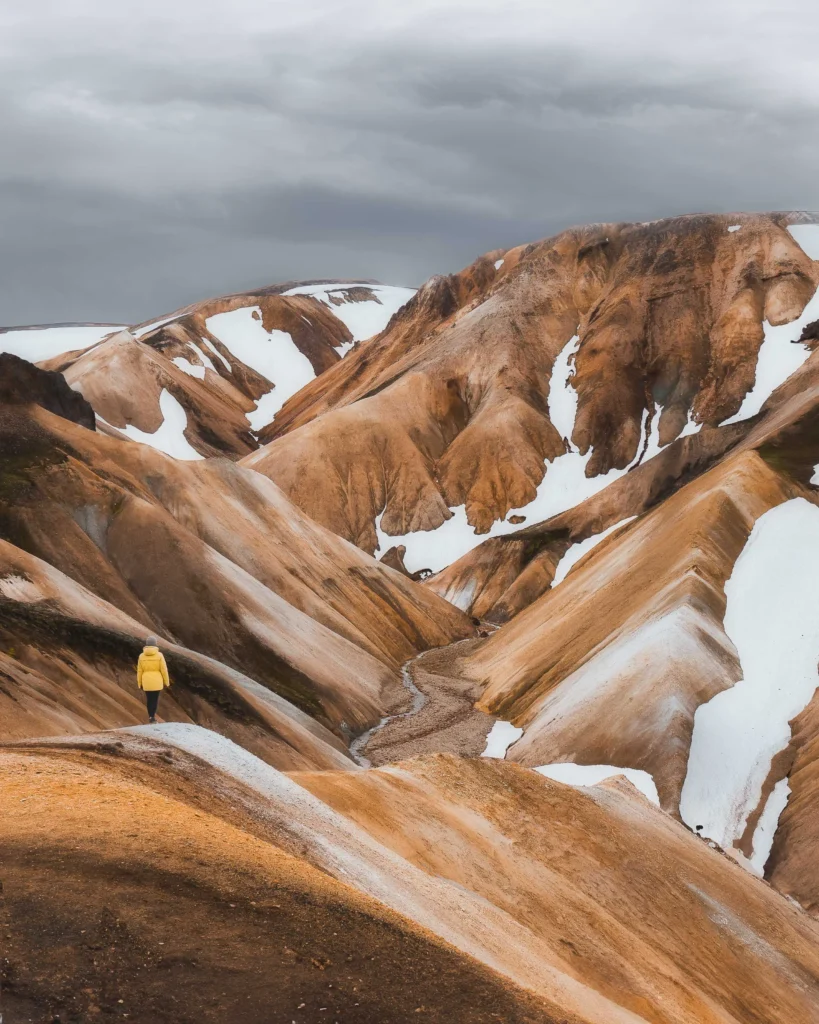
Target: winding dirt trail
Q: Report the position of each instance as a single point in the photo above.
(441, 717)
(419, 699)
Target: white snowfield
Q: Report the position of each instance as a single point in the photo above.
(592, 774)
(272, 354)
(562, 400)
(432, 549)
(170, 437)
(362, 319)
(37, 344)
(501, 737)
(564, 485)
(771, 617)
(807, 238)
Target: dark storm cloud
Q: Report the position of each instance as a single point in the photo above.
(154, 155)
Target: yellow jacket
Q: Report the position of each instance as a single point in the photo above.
(152, 672)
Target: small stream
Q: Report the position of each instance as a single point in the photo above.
(419, 699)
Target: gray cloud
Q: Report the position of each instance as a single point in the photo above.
(159, 153)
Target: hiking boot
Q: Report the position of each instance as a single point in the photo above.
(152, 720)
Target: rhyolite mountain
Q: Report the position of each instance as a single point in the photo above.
(490, 609)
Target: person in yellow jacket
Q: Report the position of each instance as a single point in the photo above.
(152, 675)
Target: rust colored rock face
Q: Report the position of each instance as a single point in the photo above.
(451, 405)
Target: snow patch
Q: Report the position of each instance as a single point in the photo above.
(498, 264)
(579, 550)
(691, 427)
(771, 618)
(272, 354)
(432, 549)
(462, 594)
(564, 486)
(501, 737)
(190, 368)
(651, 445)
(18, 588)
(591, 774)
(362, 319)
(170, 437)
(38, 344)
(780, 355)
(767, 825)
(734, 227)
(562, 400)
(205, 359)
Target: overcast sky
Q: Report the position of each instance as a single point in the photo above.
(155, 152)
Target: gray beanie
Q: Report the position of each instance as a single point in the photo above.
(151, 641)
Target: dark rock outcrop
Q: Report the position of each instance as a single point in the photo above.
(23, 383)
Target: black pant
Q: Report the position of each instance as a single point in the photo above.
(152, 699)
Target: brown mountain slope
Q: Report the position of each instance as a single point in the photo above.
(640, 403)
(611, 665)
(635, 634)
(613, 888)
(451, 406)
(228, 363)
(793, 866)
(601, 906)
(213, 557)
(502, 575)
(125, 895)
(67, 666)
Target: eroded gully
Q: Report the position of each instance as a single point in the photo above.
(441, 717)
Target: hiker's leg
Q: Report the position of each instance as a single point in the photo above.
(152, 699)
